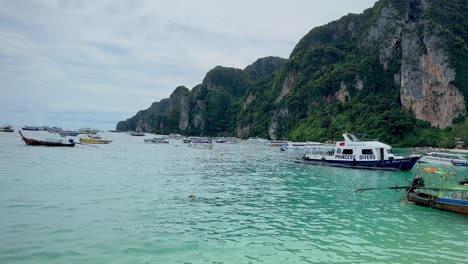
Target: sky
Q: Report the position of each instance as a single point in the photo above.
(87, 63)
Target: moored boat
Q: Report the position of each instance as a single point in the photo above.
(137, 134)
(48, 142)
(444, 158)
(277, 143)
(353, 153)
(55, 130)
(301, 146)
(450, 198)
(228, 140)
(442, 196)
(256, 140)
(157, 141)
(94, 141)
(87, 130)
(201, 144)
(186, 140)
(7, 128)
(69, 133)
(31, 128)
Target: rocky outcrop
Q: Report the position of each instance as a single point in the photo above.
(287, 84)
(276, 122)
(342, 95)
(180, 103)
(426, 78)
(243, 132)
(426, 74)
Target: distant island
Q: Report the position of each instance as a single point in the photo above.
(398, 72)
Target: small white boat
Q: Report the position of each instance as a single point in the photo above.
(201, 144)
(444, 158)
(69, 133)
(157, 141)
(228, 140)
(300, 146)
(257, 140)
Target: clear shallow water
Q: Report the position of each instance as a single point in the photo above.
(127, 202)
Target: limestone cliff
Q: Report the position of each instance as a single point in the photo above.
(180, 104)
(426, 73)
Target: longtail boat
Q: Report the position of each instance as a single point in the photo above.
(50, 143)
(447, 197)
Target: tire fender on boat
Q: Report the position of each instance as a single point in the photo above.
(431, 203)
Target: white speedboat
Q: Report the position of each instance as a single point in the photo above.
(301, 146)
(201, 144)
(444, 158)
(157, 141)
(353, 153)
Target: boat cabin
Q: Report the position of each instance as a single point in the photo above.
(352, 149)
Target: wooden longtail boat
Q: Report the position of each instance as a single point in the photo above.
(36, 142)
(447, 197)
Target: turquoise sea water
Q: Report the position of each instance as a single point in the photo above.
(127, 202)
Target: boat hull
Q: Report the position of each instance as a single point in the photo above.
(404, 164)
(429, 200)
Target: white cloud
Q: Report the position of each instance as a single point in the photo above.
(119, 56)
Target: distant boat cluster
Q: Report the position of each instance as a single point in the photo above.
(92, 137)
(349, 153)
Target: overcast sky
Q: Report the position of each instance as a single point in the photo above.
(87, 63)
